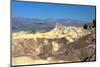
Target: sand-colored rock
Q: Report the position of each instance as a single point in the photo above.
(23, 60)
(61, 44)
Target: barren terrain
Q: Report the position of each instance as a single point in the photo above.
(61, 44)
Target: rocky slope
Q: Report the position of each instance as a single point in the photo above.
(61, 44)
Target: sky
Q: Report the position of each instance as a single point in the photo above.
(56, 11)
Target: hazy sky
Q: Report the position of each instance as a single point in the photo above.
(45, 10)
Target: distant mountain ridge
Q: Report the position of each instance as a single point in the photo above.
(33, 24)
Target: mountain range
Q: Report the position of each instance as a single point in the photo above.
(33, 24)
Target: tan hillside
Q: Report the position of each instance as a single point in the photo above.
(59, 31)
(61, 44)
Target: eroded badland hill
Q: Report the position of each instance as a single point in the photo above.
(61, 44)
